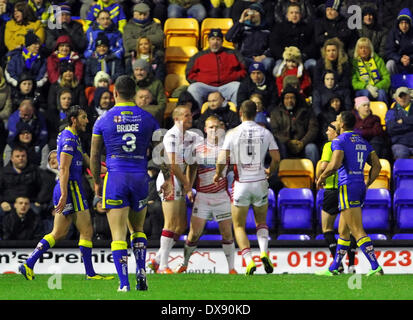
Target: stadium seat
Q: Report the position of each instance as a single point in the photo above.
(401, 80)
(384, 178)
(295, 208)
(379, 108)
(321, 236)
(296, 173)
(377, 236)
(181, 32)
(176, 59)
(403, 173)
(232, 106)
(253, 237)
(214, 237)
(377, 210)
(293, 237)
(319, 203)
(211, 23)
(403, 208)
(402, 236)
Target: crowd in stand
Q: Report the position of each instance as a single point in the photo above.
(301, 61)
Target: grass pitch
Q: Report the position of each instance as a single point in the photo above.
(211, 287)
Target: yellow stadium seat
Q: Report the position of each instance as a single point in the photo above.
(181, 32)
(379, 108)
(232, 106)
(176, 58)
(384, 178)
(296, 173)
(212, 23)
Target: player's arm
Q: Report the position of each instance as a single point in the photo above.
(275, 161)
(176, 170)
(86, 160)
(320, 169)
(375, 167)
(64, 170)
(333, 165)
(191, 171)
(94, 162)
(222, 161)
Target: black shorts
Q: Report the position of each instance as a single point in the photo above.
(330, 201)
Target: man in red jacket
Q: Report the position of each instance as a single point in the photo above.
(215, 69)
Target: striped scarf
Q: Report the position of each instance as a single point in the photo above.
(29, 57)
(368, 71)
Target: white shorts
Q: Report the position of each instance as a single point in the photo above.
(177, 193)
(212, 206)
(245, 194)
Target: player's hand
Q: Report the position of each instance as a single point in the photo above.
(166, 189)
(268, 172)
(320, 182)
(190, 196)
(61, 204)
(98, 189)
(216, 178)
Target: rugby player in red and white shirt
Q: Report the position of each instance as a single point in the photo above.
(246, 146)
(212, 201)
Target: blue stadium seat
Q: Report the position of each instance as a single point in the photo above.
(401, 80)
(250, 223)
(402, 236)
(376, 210)
(254, 237)
(293, 237)
(319, 204)
(377, 236)
(295, 208)
(403, 208)
(403, 173)
(216, 237)
(321, 236)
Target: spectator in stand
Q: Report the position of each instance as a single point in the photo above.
(101, 79)
(215, 69)
(154, 217)
(368, 125)
(142, 25)
(20, 178)
(399, 124)
(295, 127)
(293, 31)
(293, 65)
(370, 75)
(29, 115)
(220, 8)
(25, 139)
(21, 223)
(42, 10)
(145, 50)
(390, 10)
(323, 94)
(26, 89)
(258, 82)
(69, 27)
(5, 98)
(186, 8)
(102, 102)
(117, 15)
(27, 59)
(306, 8)
(330, 111)
(144, 99)
(17, 28)
(61, 56)
(252, 37)
(333, 57)
(102, 59)
(240, 5)
(334, 25)
(219, 107)
(6, 13)
(399, 49)
(104, 24)
(143, 76)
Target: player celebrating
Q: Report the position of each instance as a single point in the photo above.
(126, 130)
(247, 146)
(350, 153)
(69, 199)
(212, 200)
(330, 201)
(179, 145)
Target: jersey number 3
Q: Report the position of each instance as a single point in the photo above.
(130, 144)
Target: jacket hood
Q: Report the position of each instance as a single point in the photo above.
(63, 39)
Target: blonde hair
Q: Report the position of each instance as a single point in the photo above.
(360, 42)
(342, 56)
(151, 48)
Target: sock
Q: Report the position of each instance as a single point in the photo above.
(138, 243)
(246, 255)
(189, 248)
(341, 251)
(262, 237)
(167, 242)
(85, 247)
(44, 244)
(120, 258)
(366, 246)
(352, 252)
(331, 242)
(229, 250)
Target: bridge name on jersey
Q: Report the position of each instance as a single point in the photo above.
(132, 127)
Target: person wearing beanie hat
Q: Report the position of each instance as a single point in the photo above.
(251, 36)
(399, 51)
(31, 38)
(333, 4)
(293, 65)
